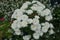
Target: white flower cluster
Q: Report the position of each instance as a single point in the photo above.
(27, 37)
(22, 19)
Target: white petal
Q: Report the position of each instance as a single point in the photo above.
(36, 36)
(27, 37)
(29, 12)
(44, 29)
(18, 32)
(30, 21)
(39, 3)
(24, 24)
(33, 27)
(37, 17)
(48, 18)
(46, 12)
(35, 21)
(51, 31)
(51, 25)
(24, 17)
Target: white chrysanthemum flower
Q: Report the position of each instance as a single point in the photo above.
(13, 15)
(34, 1)
(24, 17)
(35, 27)
(51, 31)
(39, 32)
(14, 25)
(25, 5)
(35, 21)
(34, 7)
(41, 13)
(36, 36)
(24, 24)
(19, 24)
(51, 25)
(37, 8)
(46, 12)
(27, 37)
(29, 12)
(20, 11)
(17, 13)
(40, 4)
(37, 17)
(30, 21)
(46, 24)
(18, 32)
(48, 18)
(45, 27)
(38, 27)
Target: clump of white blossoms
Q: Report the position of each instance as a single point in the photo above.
(26, 15)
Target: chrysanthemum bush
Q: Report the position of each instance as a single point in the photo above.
(32, 21)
